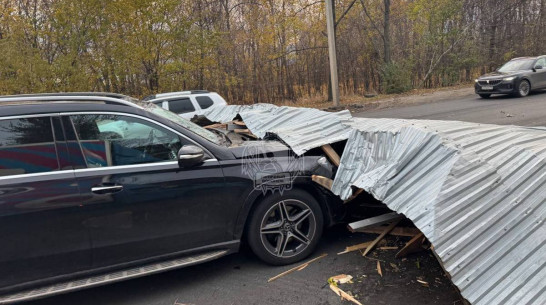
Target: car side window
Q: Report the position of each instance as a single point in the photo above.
(113, 140)
(27, 145)
(541, 62)
(180, 106)
(204, 101)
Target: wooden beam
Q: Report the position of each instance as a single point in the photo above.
(217, 125)
(380, 237)
(323, 181)
(414, 245)
(331, 154)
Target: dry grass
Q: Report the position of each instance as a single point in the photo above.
(321, 101)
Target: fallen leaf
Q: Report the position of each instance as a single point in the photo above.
(379, 269)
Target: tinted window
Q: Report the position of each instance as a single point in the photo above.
(27, 146)
(516, 65)
(112, 140)
(541, 62)
(204, 101)
(181, 106)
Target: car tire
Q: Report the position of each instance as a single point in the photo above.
(524, 88)
(284, 229)
(485, 95)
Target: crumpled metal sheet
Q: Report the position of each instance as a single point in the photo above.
(477, 192)
(315, 127)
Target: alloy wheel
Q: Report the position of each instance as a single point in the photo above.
(287, 228)
(524, 88)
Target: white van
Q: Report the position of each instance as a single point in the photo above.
(186, 103)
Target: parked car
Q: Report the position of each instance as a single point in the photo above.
(517, 77)
(87, 198)
(187, 104)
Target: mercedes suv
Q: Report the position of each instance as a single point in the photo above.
(517, 77)
(97, 188)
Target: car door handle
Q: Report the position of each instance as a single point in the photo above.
(106, 189)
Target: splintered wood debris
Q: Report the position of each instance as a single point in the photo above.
(380, 237)
(297, 268)
(334, 281)
(235, 126)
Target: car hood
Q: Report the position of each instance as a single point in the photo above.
(260, 149)
(497, 75)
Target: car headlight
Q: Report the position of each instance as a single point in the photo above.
(509, 79)
(476, 80)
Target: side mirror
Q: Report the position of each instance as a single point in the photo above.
(190, 155)
(538, 67)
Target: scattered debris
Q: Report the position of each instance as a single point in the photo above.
(379, 268)
(424, 283)
(343, 294)
(340, 279)
(395, 267)
(374, 221)
(380, 237)
(297, 268)
(323, 181)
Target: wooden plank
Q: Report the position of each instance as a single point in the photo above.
(374, 221)
(355, 247)
(297, 268)
(331, 154)
(323, 181)
(414, 245)
(380, 237)
(240, 123)
(217, 125)
(398, 231)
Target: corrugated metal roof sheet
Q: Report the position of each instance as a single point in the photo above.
(477, 191)
(315, 128)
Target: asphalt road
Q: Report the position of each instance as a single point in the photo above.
(505, 110)
(242, 279)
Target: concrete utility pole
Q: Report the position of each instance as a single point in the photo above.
(332, 50)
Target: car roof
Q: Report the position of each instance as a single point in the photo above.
(69, 97)
(528, 57)
(174, 94)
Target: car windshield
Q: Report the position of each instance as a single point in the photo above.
(516, 65)
(200, 131)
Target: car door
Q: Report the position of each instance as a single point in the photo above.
(141, 203)
(41, 217)
(540, 75)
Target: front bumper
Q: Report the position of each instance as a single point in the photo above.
(503, 87)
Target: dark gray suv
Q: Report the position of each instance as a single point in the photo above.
(97, 188)
(517, 77)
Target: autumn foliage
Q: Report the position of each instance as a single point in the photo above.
(258, 50)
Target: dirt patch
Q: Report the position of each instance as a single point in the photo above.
(415, 97)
